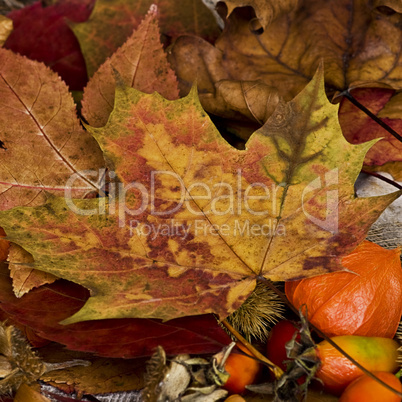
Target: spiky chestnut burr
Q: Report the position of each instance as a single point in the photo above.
(255, 316)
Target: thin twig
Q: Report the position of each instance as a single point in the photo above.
(277, 371)
(385, 126)
(383, 178)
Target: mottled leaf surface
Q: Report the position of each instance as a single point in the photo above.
(358, 127)
(42, 141)
(225, 230)
(43, 308)
(359, 43)
(113, 21)
(140, 63)
(42, 34)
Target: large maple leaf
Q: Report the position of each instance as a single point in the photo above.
(196, 221)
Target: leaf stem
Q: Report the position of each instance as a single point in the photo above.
(383, 178)
(329, 340)
(277, 371)
(385, 126)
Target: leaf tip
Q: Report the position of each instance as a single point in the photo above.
(193, 95)
(72, 319)
(153, 10)
(319, 77)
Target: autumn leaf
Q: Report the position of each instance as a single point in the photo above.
(42, 34)
(266, 10)
(112, 22)
(194, 58)
(29, 393)
(134, 269)
(4, 245)
(389, 6)
(42, 142)
(393, 108)
(360, 45)
(6, 26)
(393, 168)
(43, 308)
(24, 276)
(252, 99)
(218, 93)
(358, 127)
(140, 63)
(101, 377)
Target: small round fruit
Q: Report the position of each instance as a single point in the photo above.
(366, 389)
(243, 371)
(337, 371)
(235, 398)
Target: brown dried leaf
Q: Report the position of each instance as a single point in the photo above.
(359, 44)
(30, 393)
(265, 10)
(195, 59)
(102, 376)
(218, 93)
(253, 99)
(42, 142)
(24, 276)
(392, 5)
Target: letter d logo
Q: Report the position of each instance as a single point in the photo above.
(330, 223)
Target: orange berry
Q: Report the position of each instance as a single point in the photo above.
(366, 389)
(243, 371)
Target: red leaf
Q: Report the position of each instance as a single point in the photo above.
(358, 127)
(42, 309)
(42, 33)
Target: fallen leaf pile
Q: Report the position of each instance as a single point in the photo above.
(130, 221)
